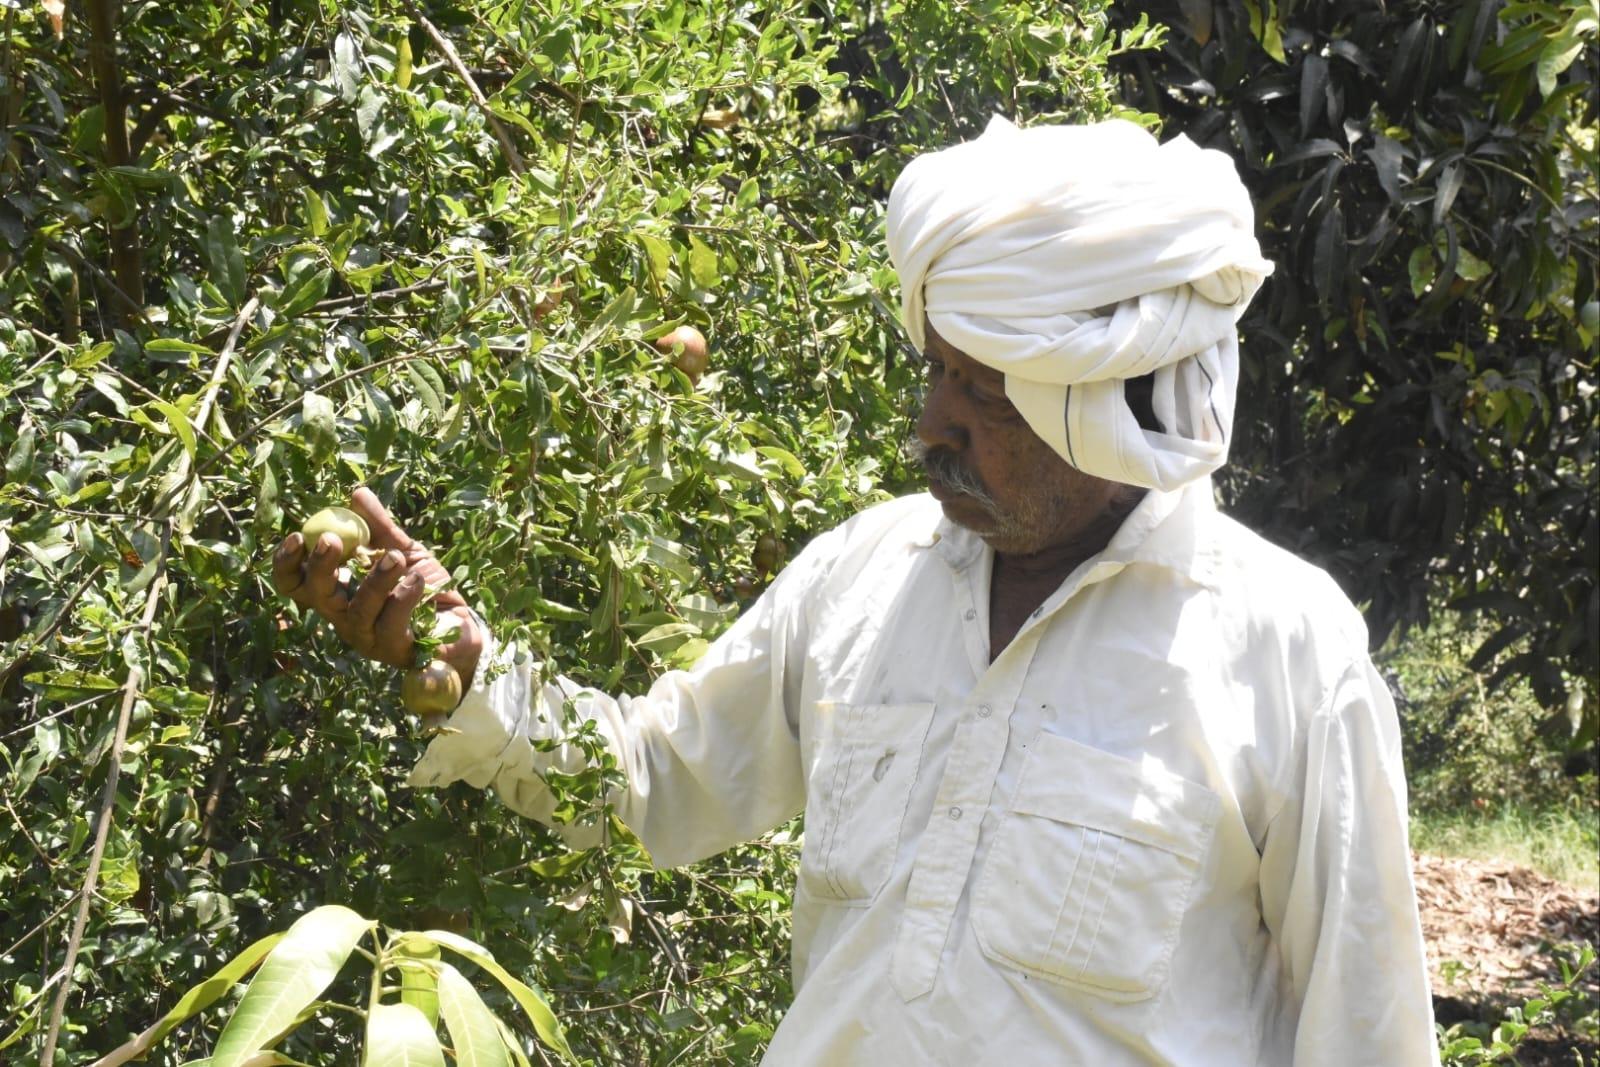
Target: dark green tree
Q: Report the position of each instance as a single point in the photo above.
(1418, 408)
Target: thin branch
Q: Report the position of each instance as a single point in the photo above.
(108, 803)
(127, 257)
(220, 371)
(181, 482)
(55, 624)
(68, 710)
(40, 925)
(111, 284)
(130, 693)
(513, 157)
(337, 303)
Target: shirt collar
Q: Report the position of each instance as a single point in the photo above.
(1165, 529)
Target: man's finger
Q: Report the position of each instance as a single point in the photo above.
(392, 629)
(386, 533)
(287, 565)
(368, 602)
(321, 590)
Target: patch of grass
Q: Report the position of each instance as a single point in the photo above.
(1560, 841)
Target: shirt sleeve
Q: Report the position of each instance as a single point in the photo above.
(711, 756)
(1337, 893)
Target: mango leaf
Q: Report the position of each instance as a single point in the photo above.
(668, 636)
(211, 990)
(398, 1035)
(472, 1027)
(260, 1059)
(544, 1021)
(418, 964)
(346, 67)
(298, 969)
(513, 1044)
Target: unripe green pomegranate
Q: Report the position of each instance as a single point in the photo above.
(346, 525)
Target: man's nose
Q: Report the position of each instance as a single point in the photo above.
(940, 424)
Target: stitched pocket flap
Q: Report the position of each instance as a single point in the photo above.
(1073, 783)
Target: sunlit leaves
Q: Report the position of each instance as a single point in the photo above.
(298, 968)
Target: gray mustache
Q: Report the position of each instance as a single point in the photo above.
(945, 469)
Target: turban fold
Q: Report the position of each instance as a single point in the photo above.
(1071, 258)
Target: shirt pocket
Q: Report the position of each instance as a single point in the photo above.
(856, 799)
(1092, 869)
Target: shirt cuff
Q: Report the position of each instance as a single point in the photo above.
(492, 714)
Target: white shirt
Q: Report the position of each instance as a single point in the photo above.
(1167, 825)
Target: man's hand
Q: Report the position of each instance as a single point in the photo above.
(374, 618)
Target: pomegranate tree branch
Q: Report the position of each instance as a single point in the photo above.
(127, 258)
(513, 157)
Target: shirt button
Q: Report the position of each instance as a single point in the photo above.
(969, 614)
(955, 813)
(983, 711)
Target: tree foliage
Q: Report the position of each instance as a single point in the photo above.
(1418, 401)
(255, 254)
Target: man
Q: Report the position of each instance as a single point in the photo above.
(1091, 774)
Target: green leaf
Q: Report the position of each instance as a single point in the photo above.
(787, 460)
(558, 866)
(472, 1028)
(71, 685)
(318, 424)
(402, 62)
(346, 69)
(658, 257)
(295, 973)
(304, 293)
(417, 962)
(429, 386)
(749, 195)
(703, 264)
(224, 261)
(172, 345)
(1556, 57)
(19, 462)
(399, 1035)
(667, 636)
(208, 992)
(382, 426)
(1422, 268)
(544, 1021)
(615, 312)
(179, 422)
(316, 211)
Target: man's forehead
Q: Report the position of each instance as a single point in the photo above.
(944, 350)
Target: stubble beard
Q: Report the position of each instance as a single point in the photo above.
(1032, 523)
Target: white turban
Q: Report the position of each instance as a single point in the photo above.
(1071, 258)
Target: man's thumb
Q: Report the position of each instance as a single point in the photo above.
(386, 533)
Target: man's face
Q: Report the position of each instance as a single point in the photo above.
(989, 470)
